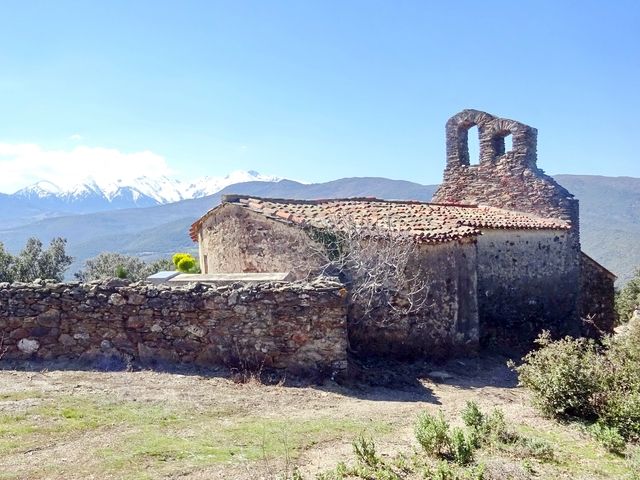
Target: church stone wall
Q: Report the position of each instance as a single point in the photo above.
(235, 239)
(597, 305)
(448, 323)
(527, 281)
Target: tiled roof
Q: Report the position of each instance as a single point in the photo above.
(426, 222)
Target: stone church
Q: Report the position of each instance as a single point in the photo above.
(499, 246)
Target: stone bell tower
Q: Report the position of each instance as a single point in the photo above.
(503, 179)
(512, 301)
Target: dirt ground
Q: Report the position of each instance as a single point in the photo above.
(389, 409)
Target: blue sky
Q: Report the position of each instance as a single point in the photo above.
(313, 90)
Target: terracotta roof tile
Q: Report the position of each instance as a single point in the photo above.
(426, 222)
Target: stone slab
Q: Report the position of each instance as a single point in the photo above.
(229, 278)
(162, 277)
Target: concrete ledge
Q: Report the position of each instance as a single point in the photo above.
(229, 278)
(162, 277)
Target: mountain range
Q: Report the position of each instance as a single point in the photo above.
(609, 213)
(45, 199)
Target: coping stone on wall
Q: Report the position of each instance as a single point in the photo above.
(176, 278)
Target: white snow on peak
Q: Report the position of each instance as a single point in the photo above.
(209, 185)
(40, 189)
(161, 189)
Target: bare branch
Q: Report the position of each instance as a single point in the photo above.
(378, 264)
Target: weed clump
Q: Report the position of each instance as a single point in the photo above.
(432, 433)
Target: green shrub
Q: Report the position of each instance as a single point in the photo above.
(185, 263)
(534, 448)
(432, 433)
(472, 416)
(443, 472)
(107, 264)
(121, 272)
(365, 451)
(179, 256)
(461, 447)
(609, 437)
(628, 299)
(484, 428)
(572, 377)
(496, 426)
(562, 376)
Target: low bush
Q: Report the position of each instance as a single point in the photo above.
(185, 263)
(599, 383)
(609, 437)
(110, 264)
(562, 376)
(628, 299)
(432, 433)
(461, 446)
(365, 451)
(472, 416)
(450, 450)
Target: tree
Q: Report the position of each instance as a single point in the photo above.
(185, 263)
(34, 262)
(628, 299)
(378, 265)
(6, 263)
(110, 265)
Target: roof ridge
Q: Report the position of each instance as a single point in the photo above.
(235, 198)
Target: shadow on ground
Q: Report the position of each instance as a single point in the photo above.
(373, 380)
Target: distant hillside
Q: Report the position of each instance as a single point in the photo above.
(609, 212)
(610, 219)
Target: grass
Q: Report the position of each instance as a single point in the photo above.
(520, 450)
(20, 395)
(578, 454)
(145, 439)
(146, 425)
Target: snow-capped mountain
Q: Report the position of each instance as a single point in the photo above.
(92, 195)
(210, 185)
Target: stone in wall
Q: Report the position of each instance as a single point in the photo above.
(292, 326)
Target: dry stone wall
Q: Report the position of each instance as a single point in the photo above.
(299, 327)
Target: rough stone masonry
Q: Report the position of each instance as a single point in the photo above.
(299, 327)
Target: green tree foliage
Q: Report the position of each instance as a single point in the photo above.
(628, 299)
(35, 262)
(185, 263)
(6, 262)
(110, 265)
